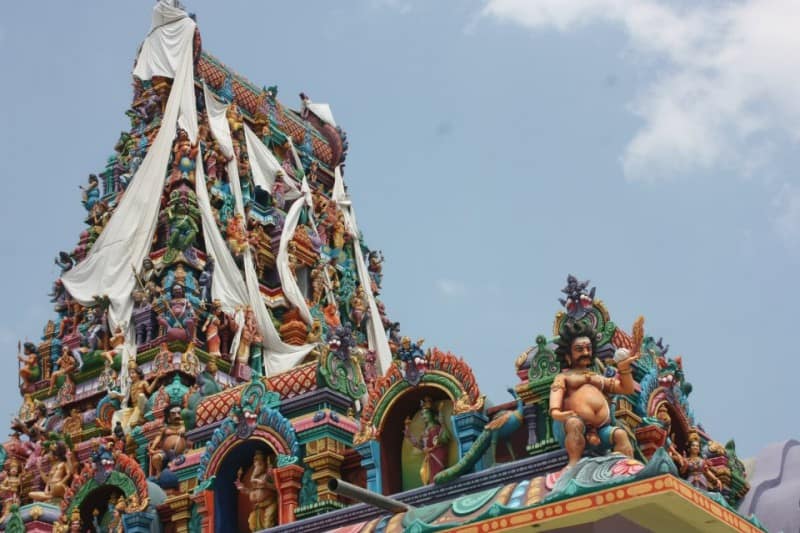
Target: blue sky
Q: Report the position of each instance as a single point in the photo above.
(495, 147)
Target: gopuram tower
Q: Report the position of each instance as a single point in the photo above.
(219, 359)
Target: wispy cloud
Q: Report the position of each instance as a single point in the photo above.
(729, 84)
(450, 287)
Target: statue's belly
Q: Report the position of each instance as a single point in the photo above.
(590, 404)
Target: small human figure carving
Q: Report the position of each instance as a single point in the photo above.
(250, 335)
(29, 372)
(140, 390)
(66, 366)
(189, 361)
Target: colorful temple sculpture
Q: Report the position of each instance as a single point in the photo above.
(219, 359)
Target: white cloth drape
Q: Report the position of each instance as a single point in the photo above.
(125, 240)
(288, 281)
(264, 166)
(108, 269)
(376, 335)
(278, 356)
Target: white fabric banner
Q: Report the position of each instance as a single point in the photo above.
(278, 356)
(376, 335)
(264, 165)
(125, 241)
(288, 281)
(323, 112)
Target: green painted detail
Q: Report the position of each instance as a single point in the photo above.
(472, 502)
(342, 375)
(286, 460)
(545, 365)
(206, 484)
(430, 377)
(195, 521)
(15, 523)
(116, 479)
(596, 473)
(308, 490)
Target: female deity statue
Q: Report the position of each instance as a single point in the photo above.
(696, 469)
(432, 442)
(250, 335)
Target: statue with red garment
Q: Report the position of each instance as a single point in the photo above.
(432, 442)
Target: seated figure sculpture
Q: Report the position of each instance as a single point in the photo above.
(578, 403)
(170, 444)
(179, 315)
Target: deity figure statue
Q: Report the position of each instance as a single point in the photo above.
(333, 273)
(261, 244)
(179, 313)
(375, 269)
(142, 317)
(317, 284)
(91, 194)
(66, 363)
(250, 335)
(279, 191)
(73, 424)
(696, 470)
(140, 389)
(64, 261)
(169, 444)
(338, 232)
(205, 280)
(294, 262)
(235, 120)
(29, 372)
(358, 307)
(370, 367)
(148, 279)
(331, 314)
(578, 403)
(236, 235)
(212, 159)
(411, 352)
(97, 329)
(184, 156)
(57, 478)
(182, 230)
(10, 481)
(432, 442)
(189, 361)
(260, 489)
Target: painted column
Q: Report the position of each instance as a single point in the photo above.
(138, 522)
(205, 508)
(370, 452)
(181, 506)
(325, 456)
(468, 426)
(288, 481)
